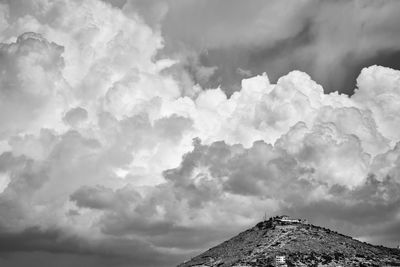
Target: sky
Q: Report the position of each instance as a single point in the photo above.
(141, 132)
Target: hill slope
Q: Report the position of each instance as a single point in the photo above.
(302, 244)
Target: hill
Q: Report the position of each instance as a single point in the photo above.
(300, 244)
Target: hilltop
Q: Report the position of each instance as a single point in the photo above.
(301, 244)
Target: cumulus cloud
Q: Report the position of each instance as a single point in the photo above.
(30, 74)
(106, 153)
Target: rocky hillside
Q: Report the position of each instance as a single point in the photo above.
(302, 244)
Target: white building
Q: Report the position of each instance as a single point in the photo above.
(287, 219)
(280, 260)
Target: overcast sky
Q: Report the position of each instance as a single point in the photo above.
(142, 132)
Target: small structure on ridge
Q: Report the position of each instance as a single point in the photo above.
(285, 219)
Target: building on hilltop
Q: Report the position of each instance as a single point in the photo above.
(285, 219)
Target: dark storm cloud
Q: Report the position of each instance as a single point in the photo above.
(40, 259)
(369, 211)
(330, 40)
(32, 245)
(127, 213)
(272, 173)
(34, 239)
(95, 198)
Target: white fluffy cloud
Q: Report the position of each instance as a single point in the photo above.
(99, 142)
(31, 82)
(379, 92)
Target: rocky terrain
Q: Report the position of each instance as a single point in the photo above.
(302, 244)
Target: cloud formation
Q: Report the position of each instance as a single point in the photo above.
(277, 37)
(108, 159)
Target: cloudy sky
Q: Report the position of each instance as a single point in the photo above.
(142, 132)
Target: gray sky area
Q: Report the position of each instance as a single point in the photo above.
(141, 132)
(330, 40)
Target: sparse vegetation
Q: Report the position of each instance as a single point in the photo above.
(302, 244)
